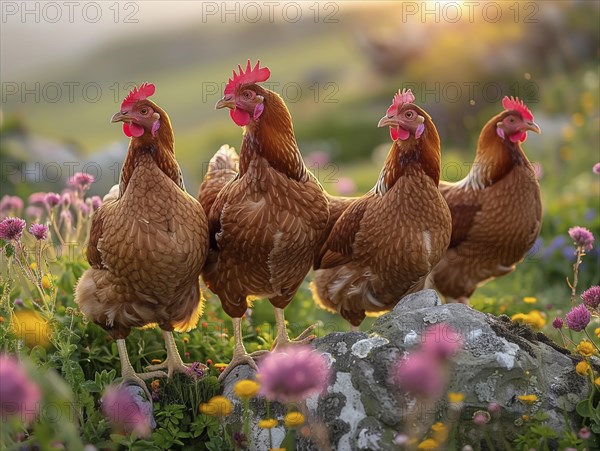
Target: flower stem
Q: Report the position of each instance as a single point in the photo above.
(579, 254)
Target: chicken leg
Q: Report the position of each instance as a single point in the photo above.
(282, 338)
(129, 374)
(240, 356)
(173, 363)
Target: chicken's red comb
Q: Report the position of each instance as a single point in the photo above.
(145, 90)
(250, 75)
(401, 97)
(515, 104)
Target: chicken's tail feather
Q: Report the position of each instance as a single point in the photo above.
(190, 322)
(222, 168)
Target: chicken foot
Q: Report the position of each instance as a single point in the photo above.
(173, 363)
(240, 356)
(282, 338)
(128, 373)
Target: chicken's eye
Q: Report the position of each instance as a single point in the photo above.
(248, 95)
(144, 111)
(409, 114)
(511, 119)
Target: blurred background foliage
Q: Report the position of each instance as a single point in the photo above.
(337, 73)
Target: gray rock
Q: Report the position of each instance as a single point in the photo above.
(363, 410)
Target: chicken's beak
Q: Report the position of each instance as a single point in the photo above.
(385, 120)
(533, 127)
(225, 102)
(120, 116)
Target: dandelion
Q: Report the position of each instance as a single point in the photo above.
(481, 417)
(428, 444)
(31, 328)
(441, 341)
(585, 348)
(527, 399)
(269, 423)
(529, 300)
(420, 375)
(246, 389)
(52, 200)
(11, 229)
(535, 319)
(81, 180)
(19, 395)
(293, 420)
(46, 283)
(440, 432)
(558, 323)
(596, 168)
(455, 398)
(126, 408)
(39, 231)
(582, 237)
(217, 406)
(597, 381)
(293, 374)
(591, 297)
(578, 318)
(582, 368)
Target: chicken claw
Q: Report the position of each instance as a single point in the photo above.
(128, 373)
(173, 363)
(238, 358)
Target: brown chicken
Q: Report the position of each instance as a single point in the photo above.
(265, 222)
(147, 247)
(496, 210)
(388, 240)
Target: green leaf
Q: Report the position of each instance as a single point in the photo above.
(584, 408)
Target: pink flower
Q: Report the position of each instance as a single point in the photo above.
(558, 323)
(346, 186)
(481, 417)
(495, 409)
(591, 296)
(582, 237)
(596, 168)
(96, 202)
(19, 395)
(420, 374)
(37, 198)
(441, 341)
(10, 204)
(39, 231)
(81, 180)
(584, 433)
(11, 229)
(83, 207)
(66, 199)
(52, 199)
(538, 170)
(34, 213)
(293, 374)
(127, 409)
(578, 318)
(317, 159)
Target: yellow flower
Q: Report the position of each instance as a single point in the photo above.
(186, 340)
(246, 389)
(525, 417)
(155, 384)
(597, 381)
(217, 406)
(33, 266)
(597, 332)
(455, 398)
(585, 348)
(440, 432)
(293, 420)
(30, 327)
(578, 119)
(529, 300)
(582, 368)
(428, 444)
(220, 365)
(527, 399)
(268, 424)
(46, 284)
(1, 319)
(535, 319)
(155, 361)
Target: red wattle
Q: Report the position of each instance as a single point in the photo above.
(239, 116)
(126, 129)
(519, 136)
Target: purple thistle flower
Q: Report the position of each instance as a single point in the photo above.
(18, 302)
(83, 207)
(591, 297)
(126, 407)
(39, 231)
(197, 370)
(52, 199)
(11, 229)
(596, 168)
(558, 323)
(346, 186)
(96, 202)
(441, 341)
(10, 204)
(37, 198)
(66, 199)
(582, 237)
(420, 374)
(34, 213)
(578, 318)
(19, 395)
(293, 374)
(81, 180)
(240, 440)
